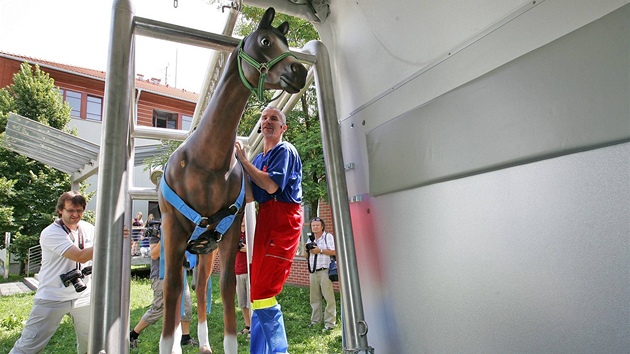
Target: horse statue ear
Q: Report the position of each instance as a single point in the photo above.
(284, 28)
(265, 21)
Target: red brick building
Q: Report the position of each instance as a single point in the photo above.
(158, 105)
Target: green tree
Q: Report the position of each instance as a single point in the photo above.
(28, 188)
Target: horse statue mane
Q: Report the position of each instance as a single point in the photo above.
(202, 190)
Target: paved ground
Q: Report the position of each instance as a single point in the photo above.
(29, 284)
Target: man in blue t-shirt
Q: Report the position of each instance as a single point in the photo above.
(276, 184)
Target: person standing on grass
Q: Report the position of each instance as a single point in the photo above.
(276, 184)
(320, 285)
(64, 278)
(154, 313)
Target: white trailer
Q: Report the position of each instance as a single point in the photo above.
(488, 155)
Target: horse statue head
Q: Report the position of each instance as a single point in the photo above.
(262, 50)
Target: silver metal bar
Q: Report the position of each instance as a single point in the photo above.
(138, 193)
(185, 35)
(354, 324)
(107, 324)
(141, 131)
(125, 275)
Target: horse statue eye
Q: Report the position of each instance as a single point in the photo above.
(265, 41)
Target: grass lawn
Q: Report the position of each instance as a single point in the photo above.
(14, 311)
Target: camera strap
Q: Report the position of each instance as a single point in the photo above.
(69, 232)
(326, 242)
(312, 269)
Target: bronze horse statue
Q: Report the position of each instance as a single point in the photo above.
(202, 187)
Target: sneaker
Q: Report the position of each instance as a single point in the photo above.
(313, 324)
(190, 341)
(327, 329)
(133, 343)
(244, 331)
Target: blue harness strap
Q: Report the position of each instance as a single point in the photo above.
(192, 215)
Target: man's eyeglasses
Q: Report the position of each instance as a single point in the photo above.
(74, 211)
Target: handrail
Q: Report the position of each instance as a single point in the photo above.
(33, 259)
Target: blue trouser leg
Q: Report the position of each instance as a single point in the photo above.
(268, 335)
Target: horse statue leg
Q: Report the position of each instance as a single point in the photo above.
(174, 243)
(204, 271)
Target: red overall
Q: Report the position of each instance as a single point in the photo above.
(276, 239)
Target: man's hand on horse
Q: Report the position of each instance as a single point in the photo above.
(241, 155)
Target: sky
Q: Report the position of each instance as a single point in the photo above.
(76, 32)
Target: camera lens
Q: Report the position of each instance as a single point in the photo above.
(74, 277)
(79, 286)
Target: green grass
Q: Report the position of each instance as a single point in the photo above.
(14, 311)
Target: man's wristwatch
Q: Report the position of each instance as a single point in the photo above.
(321, 251)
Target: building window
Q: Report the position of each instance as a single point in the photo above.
(186, 122)
(83, 106)
(74, 99)
(162, 119)
(94, 108)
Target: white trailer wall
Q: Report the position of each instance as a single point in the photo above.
(490, 143)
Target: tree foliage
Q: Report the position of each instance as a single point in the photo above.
(29, 189)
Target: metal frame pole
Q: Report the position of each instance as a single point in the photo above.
(354, 325)
(107, 324)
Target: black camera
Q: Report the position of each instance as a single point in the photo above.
(310, 245)
(153, 229)
(241, 244)
(74, 277)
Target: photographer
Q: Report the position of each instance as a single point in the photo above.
(64, 278)
(320, 248)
